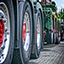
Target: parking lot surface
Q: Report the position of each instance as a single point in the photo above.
(50, 54)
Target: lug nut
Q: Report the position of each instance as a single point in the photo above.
(5, 20)
(2, 47)
(6, 30)
(5, 40)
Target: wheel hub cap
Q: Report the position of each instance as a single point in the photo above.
(26, 31)
(38, 33)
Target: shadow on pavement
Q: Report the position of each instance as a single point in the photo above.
(45, 50)
(49, 45)
(32, 63)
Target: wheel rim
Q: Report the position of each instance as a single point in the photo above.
(26, 31)
(4, 32)
(38, 33)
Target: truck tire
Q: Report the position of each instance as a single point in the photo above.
(56, 39)
(59, 37)
(22, 54)
(51, 36)
(27, 33)
(38, 35)
(6, 31)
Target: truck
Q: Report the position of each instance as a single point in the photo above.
(48, 7)
(21, 30)
(51, 31)
(56, 29)
(62, 23)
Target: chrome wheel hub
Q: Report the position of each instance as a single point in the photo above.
(26, 31)
(38, 33)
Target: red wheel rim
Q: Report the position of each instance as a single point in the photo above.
(52, 30)
(37, 31)
(24, 31)
(1, 31)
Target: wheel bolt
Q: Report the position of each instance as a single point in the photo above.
(6, 30)
(4, 20)
(5, 40)
(2, 47)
